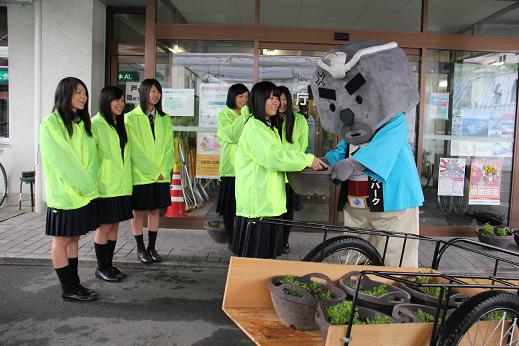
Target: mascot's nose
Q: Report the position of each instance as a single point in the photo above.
(347, 117)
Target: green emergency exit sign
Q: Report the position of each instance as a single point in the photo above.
(127, 76)
(4, 76)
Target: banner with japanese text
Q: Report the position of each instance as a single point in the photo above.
(207, 155)
(451, 178)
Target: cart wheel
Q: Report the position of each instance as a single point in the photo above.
(345, 250)
(488, 318)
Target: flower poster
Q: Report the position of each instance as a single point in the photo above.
(207, 155)
(451, 178)
(485, 181)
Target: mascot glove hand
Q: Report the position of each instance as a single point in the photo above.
(343, 169)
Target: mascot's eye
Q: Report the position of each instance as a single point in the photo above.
(332, 107)
(358, 99)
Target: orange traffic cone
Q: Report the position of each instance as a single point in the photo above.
(177, 209)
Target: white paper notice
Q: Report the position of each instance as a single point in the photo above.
(178, 102)
(451, 179)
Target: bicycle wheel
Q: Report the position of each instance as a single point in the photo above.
(345, 250)
(487, 319)
(3, 184)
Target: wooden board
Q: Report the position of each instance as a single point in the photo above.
(247, 302)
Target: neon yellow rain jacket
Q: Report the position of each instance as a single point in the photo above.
(115, 175)
(299, 134)
(261, 161)
(149, 158)
(70, 164)
(230, 126)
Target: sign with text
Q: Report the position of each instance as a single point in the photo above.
(451, 178)
(127, 76)
(4, 76)
(207, 155)
(485, 181)
(213, 97)
(178, 102)
(132, 93)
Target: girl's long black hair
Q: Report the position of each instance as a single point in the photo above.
(289, 117)
(144, 91)
(108, 94)
(258, 97)
(63, 104)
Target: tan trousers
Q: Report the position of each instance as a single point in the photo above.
(403, 221)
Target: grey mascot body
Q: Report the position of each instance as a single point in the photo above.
(362, 91)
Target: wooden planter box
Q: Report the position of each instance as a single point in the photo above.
(247, 302)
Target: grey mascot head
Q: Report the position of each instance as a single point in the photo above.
(361, 86)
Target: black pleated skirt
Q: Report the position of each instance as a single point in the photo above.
(226, 205)
(114, 209)
(263, 239)
(151, 196)
(72, 223)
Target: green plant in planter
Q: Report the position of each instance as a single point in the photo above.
(377, 291)
(502, 231)
(432, 291)
(339, 314)
(424, 316)
(314, 288)
(488, 228)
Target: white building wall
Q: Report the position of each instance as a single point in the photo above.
(73, 44)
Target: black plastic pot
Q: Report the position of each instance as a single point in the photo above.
(407, 313)
(418, 297)
(384, 303)
(299, 312)
(216, 230)
(323, 322)
(309, 182)
(494, 239)
(516, 235)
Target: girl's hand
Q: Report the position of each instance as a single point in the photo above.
(318, 164)
(161, 177)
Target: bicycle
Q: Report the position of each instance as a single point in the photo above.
(3, 184)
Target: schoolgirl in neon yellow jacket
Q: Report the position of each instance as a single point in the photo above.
(115, 175)
(299, 134)
(261, 160)
(70, 164)
(150, 158)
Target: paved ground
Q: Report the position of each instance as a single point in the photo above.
(22, 240)
(166, 306)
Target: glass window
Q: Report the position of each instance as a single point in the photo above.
(4, 75)
(476, 17)
(395, 15)
(229, 12)
(127, 54)
(470, 106)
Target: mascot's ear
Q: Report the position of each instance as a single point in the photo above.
(333, 63)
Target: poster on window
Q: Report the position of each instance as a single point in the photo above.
(213, 97)
(178, 102)
(132, 93)
(439, 106)
(451, 178)
(485, 181)
(207, 155)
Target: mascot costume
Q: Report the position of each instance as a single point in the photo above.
(362, 91)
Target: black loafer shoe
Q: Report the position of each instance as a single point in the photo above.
(144, 256)
(118, 273)
(154, 255)
(86, 290)
(107, 275)
(79, 295)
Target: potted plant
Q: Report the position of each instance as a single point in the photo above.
(374, 294)
(295, 298)
(416, 313)
(338, 313)
(495, 235)
(216, 230)
(426, 295)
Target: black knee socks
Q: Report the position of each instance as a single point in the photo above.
(110, 253)
(66, 278)
(152, 238)
(72, 262)
(140, 242)
(101, 250)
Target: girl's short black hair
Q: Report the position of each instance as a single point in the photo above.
(258, 97)
(288, 118)
(144, 91)
(108, 94)
(235, 90)
(63, 104)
